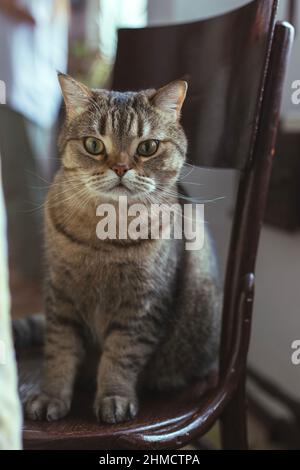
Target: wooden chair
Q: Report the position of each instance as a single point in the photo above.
(235, 65)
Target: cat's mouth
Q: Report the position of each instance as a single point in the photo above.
(121, 188)
(122, 185)
(129, 185)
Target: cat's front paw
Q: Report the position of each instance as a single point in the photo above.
(115, 409)
(43, 407)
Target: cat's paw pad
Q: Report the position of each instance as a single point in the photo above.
(115, 409)
(43, 407)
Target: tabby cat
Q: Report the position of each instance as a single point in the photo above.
(147, 309)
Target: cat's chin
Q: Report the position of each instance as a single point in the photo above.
(120, 190)
(114, 193)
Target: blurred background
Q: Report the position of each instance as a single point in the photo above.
(39, 37)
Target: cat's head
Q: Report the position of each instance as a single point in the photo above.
(123, 143)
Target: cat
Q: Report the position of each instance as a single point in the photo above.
(148, 308)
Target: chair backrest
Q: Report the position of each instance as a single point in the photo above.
(235, 64)
(224, 60)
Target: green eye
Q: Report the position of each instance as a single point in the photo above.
(94, 146)
(148, 148)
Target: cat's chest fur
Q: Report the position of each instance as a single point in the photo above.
(104, 288)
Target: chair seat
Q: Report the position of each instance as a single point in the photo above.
(160, 414)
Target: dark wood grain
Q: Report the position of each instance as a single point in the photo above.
(159, 414)
(248, 221)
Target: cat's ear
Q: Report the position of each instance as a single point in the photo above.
(170, 98)
(76, 95)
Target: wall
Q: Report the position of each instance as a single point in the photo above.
(173, 11)
(176, 11)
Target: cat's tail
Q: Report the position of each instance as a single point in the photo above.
(29, 331)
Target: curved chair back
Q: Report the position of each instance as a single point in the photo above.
(235, 65)
(224, 60)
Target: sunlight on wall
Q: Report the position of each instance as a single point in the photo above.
(176, 11)
(116, 14)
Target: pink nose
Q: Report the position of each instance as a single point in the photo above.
(121, 169)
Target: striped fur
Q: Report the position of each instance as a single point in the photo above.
(148, 309)
(28, 331)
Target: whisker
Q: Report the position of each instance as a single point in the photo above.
(191, 183)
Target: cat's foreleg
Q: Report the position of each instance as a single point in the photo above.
(62, 355)
(127, 349)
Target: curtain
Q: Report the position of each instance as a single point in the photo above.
(10, 409)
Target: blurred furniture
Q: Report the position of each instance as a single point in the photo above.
(235, 66)
(283, 203)
(282, 428)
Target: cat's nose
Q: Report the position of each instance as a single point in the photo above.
(121, 169)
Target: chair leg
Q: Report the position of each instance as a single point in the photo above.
(234, 421)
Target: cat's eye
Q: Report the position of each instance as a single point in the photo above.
(94, 146)
(148, 148)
